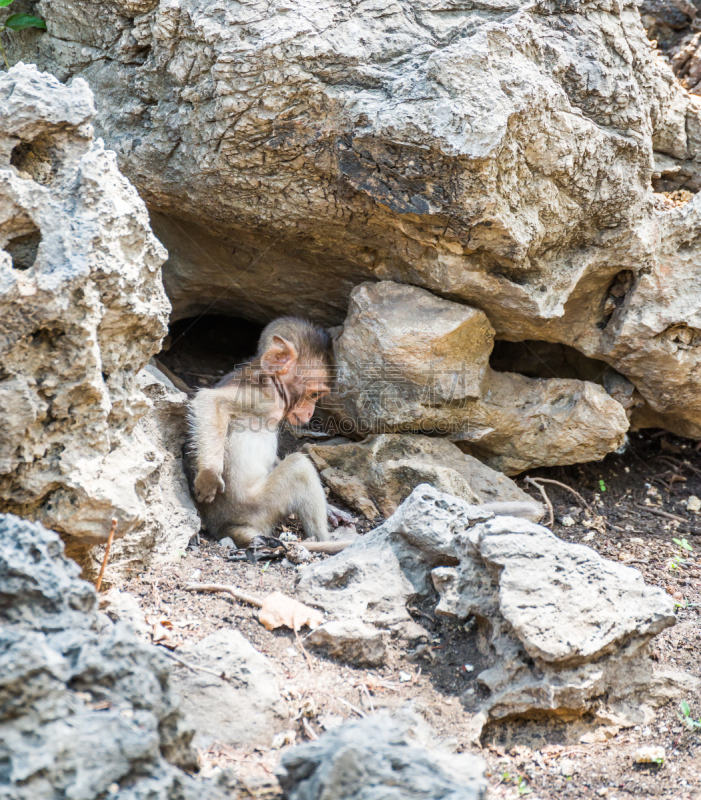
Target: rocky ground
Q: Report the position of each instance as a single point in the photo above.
(641, 498)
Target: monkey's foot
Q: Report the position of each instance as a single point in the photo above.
(337, 517)
(207, 484)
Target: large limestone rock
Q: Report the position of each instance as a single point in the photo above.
(82, 309)
(170, 519)
(381, 472)
(85, 705)
(501, 156)
(408, 360)
(374, 577)
(567, 630)
(377, 758)
(242, 706)
(563, 631)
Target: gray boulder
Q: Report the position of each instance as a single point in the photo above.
(390, 466)
(351, 641)
(378, 758)
(374, 578)
(243, 706)
(83, 703)
(564, 627)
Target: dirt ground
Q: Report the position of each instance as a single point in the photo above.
(638, 495)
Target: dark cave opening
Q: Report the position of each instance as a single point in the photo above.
(200, 350)
(537, 359)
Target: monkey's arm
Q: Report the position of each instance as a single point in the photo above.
(210, 413)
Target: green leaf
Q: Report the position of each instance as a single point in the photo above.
(602, 486)
(685, 708)
(4, 3)
(18, 22)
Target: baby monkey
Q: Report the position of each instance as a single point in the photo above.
(241, 487)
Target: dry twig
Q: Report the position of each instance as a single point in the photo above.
(658, 512)
(110, 539)
(308, 729)
(304, 651)
(539, 487)
(221, 587)
(357, 710)
(569, 489)
(193, 667)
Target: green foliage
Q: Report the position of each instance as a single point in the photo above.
(686, 719)
(678, 559)
(17, 22)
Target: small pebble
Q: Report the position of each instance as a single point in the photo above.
(469, 668)
(227, 542)
(567, 521)
(693, 503)
(283, 738)
(649, 754)
(196, 575)
(567, 767)
(404, 677)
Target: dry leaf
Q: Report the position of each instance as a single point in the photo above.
(278, 610)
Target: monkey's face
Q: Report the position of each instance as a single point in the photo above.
(302, 374)
(305, 386)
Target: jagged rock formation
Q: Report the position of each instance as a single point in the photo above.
(377, 758)
(85, 705)
(501, 157)
(410, 361)
(552, 645)
(381, 472)
(82, 309)
(242, 708)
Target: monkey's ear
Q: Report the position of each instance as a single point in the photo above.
(280, 356)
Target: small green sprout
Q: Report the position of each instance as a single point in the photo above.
(523, 787)
(686, 719)
(602, 486)
(678, 559)
(17, 22)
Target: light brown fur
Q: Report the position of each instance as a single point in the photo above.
(241, 488)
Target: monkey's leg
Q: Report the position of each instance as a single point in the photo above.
(293, 487)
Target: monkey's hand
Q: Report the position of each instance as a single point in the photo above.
(207, 484)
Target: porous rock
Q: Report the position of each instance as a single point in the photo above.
(410, 361)
(244, 706)
(290, 153)
(350, 641)
(171, 519)
(375, 758)
(389, 466)
(568, 630)
(82, 309)
(374, 578)
(83, 703)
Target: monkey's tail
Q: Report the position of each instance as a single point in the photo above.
(328, 548)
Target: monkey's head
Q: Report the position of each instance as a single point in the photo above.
(297, 356)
